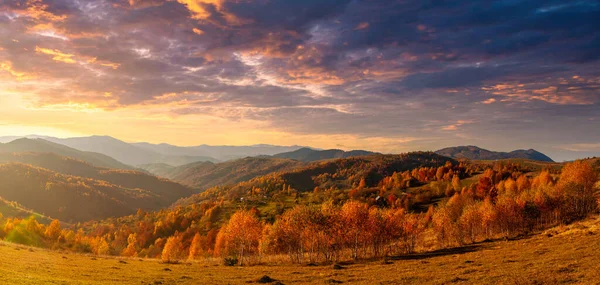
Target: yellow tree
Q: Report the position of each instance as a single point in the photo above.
(240, 236)
(523, 183)
(132, 248)
(541, 180)
(355, 217)
(456, 183)
(470, 221)
(288, 232)
(510, 186)
(53, 231)
(577, 181)
(2, 233)
(173, 250)
(195, 247)
(412, 228)
(378, 230)
(488, 217)
(101, 246)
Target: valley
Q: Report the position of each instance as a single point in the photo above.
(273, 214)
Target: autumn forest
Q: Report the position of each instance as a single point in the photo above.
(356, 208)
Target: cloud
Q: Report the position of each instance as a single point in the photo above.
(56, 55)
(362, 25)
(582, 147)
(456, 125)
(488, 101)
(364, 69)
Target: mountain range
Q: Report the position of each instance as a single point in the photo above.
(44, 146)
(477, 153)
(134, 154)
(105, 151)
(79, 179)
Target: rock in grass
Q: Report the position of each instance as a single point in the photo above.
(265, 279)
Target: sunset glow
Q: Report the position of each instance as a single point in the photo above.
(329, 74)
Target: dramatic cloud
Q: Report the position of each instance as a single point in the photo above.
(386, 75)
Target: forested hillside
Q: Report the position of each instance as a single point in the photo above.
(70, 198)
(354, 208)
(166, 190)
(203, 175)
(73, 190)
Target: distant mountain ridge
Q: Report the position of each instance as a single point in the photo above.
(222, 153)
(143, 153)
(44, 146)
(477, 153)
(308, 154)
(126, 152)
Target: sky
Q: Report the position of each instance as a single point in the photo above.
(388, 76)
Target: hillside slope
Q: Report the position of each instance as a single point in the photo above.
(44, 146)
(204, 175)
(73, 190)
(14, 210)
(477, 153)
(308, 154)
(70, 198)
(339, 174)
(166, 190)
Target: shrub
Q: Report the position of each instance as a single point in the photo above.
(230, 261)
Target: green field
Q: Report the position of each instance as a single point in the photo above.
(561, 255)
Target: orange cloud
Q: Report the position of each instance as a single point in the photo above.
(70, 106)
(313, 76)
(104, 63)
(450, 128)
(199, 11)
(455, 126)
(197, 31)
(57, 55)
(565, 91)
(37, 9)
(362, 26)
(488, 101)
(7, 66)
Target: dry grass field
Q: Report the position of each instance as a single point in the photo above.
(562, 255)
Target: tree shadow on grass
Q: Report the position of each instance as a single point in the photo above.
(458, 250)
(440, 252)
